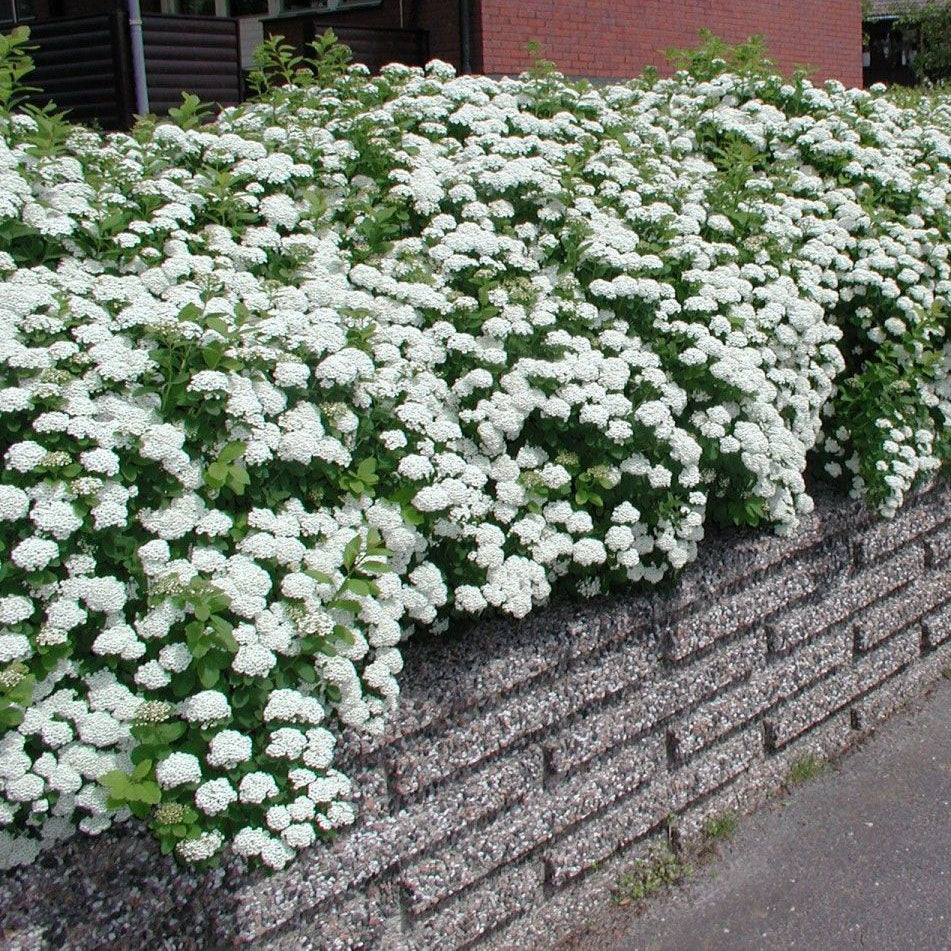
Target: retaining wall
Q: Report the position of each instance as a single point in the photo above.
(527, 756)
(531, 762)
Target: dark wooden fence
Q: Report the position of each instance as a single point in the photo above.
(372, 46)
(195, 54)
(84, 64)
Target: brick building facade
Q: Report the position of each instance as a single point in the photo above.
(594, 38)
(618, 38)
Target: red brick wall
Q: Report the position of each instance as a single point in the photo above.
(617, 38)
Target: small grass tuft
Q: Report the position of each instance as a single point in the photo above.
(720, 827)
(657, 870)
(805, 768)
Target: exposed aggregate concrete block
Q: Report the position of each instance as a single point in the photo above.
(738, 611)
(626, 822)
(747, 791)
(937, 627)
(799, 624)
(512, 892)
(869, 711)
(766, 687)
(938, 546)
(374, 847)
(424, 760)
(541, 817)
(910, 523)
(901, 609)
(735, 557)
(653, 703)
(791, 719)
(358, 921)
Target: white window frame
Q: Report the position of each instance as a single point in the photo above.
(274, 7)
(223, 7)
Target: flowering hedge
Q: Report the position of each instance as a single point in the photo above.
(354, 358)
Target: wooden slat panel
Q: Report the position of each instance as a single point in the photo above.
(192, 54)
(79, 66)
(372, 46)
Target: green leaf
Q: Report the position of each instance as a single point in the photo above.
(167, 733)
(11, 717)
(142, 769)
(139, 809)
(238, 479)
(218, 325)
(319, 576)
(344, 634)
(216, 474)
(357, 586)
(117, 782)
(211, 354)
(374, 567)
(208, 675)
(223, 633)
(366, 472)
(149, 792)
(232, 451)
(351, 551)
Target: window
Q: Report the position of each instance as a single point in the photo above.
(16, 11)
(218, 8)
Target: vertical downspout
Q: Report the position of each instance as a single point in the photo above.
(139, 81)
(465, 35)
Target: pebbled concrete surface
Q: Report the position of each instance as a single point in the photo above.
(857, 858)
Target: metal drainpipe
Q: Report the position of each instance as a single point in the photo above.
(139, 81)
(465, 35)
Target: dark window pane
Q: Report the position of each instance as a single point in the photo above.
(198, 8)
(244, 8)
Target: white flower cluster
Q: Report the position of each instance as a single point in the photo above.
(445, 343)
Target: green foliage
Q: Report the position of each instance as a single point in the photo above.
(16, 693)
(277, 64)
(713, 56)
(931, 25)
(15, 64)
(134, 790)
(329, 59)
(540, 67)
(191, 113)
(803, 769)
(274, 63)
(658, 870)
(721, 826)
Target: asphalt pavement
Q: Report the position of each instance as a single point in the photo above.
(858, 857)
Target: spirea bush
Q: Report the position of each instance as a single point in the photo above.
(355, 359)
